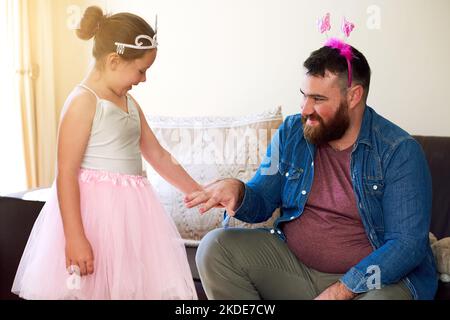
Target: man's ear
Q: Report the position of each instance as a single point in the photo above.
(355, 95)
(113, 60)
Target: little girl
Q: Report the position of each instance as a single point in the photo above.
(103, 234)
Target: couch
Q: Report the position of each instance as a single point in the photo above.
(17, 217)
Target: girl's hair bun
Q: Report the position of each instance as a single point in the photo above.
(90, 23)
(108, 30)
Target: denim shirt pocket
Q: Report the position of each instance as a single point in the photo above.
(291, 175)
(374, 187)
(374, 190)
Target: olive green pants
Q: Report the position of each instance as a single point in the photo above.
(251, 264)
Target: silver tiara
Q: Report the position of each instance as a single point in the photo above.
(138, 44)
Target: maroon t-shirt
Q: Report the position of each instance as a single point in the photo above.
(329, 236)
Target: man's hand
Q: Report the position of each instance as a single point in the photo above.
(337, 291)
(226, 193)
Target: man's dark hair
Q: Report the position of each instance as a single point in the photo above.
(327, 58)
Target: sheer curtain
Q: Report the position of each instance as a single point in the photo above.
(27, 112)
(41, 14)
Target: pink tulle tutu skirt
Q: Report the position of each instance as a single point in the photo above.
(138, 252)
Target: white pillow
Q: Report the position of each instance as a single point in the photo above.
(211, 148)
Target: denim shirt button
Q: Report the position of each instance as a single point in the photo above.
(287, 174)
(304, 192)
(279, 232)
(292, 218)
(272, 231)
(375, 187)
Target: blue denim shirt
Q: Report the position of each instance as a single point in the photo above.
(392, 186)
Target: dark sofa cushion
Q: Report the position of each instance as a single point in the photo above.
(437, 151)
(17, 218)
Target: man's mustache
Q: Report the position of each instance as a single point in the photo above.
(313, 117)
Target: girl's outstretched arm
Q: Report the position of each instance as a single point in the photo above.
(162, 161)
(73, 136)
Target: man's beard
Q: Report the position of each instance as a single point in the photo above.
(333, 130)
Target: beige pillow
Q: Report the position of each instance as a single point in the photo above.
(211, 148)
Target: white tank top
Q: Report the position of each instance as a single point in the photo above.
(114, 143)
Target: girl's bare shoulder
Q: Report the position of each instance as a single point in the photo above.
(80, 104)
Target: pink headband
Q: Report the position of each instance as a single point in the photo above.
(345, 50)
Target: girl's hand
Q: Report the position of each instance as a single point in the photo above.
(79, 253)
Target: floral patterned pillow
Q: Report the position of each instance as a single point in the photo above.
(211, 148)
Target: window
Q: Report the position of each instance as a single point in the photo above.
(12, 160)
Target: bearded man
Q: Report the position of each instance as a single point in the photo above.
(354, 192)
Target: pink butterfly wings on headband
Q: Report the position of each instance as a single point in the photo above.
(324, 23)
(347, 27)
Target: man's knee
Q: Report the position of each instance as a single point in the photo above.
(210, 248)
(397, 291)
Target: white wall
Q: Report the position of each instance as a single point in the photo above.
(233, 57)
(72, 55)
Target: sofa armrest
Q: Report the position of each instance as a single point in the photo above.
(17, 218)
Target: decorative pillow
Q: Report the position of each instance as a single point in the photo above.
(211, 148)
(441, 252)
